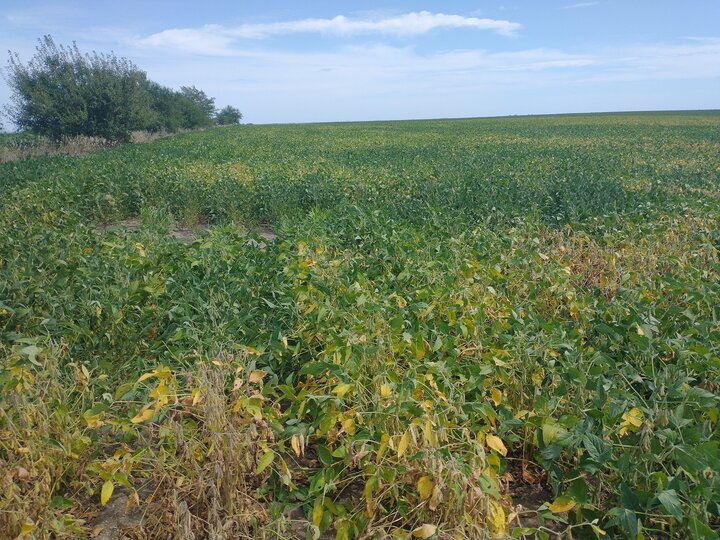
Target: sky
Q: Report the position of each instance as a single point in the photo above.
(316, 61)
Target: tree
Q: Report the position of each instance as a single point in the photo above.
(62, 92)
(199, 109)
(172, 110)
(228, 115)
(166, 108)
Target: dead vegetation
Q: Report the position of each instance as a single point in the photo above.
(610, 266)
(182, 233)
(22, 148)
(197, 471)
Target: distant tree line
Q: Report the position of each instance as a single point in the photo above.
(62, 92)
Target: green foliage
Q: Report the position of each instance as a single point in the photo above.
(198, 109)
(64, 93)
(167, 109)
(453, 313)
(228, 115)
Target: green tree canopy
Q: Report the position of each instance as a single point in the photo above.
(62, 92)
(199, 109)
(228, 115)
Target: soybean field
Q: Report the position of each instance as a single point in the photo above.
(480, 328)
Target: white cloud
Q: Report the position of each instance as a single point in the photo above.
(380, 81)
(366, 82)
(381, 66)
(356, 80)
(208, 40)
(581, 5)
(216, 39)
(697, 58)
(401, 25)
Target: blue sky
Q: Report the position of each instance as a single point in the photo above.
(286, 61)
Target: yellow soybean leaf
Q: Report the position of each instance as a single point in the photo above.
(146, 376)
(143, 416)
(285, 473)
(295, 443)
(122, 390)
(257, 376)
(493, 461)
(496, 516)
(495, 442)
(427, 311)
(370, 486)
(93, 420)
(385, 390)
(160, 391)
(384, 441)
(496, 396)
(27, 527)
(425, 486)
(634, 417)
(436, 498)
(561, 504)
(419, 347)
(349, 427)
(341, 389)
(106, 492)
(426, 531)
(265, 461)
(163, 372)
(318, 512)
(404, 443)
(429, 433)
(632, 420)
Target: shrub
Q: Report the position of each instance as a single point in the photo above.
(64, 93)
(197, 108)
(228, 115)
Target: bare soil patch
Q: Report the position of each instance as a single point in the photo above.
(184, 234)
(116, 518)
